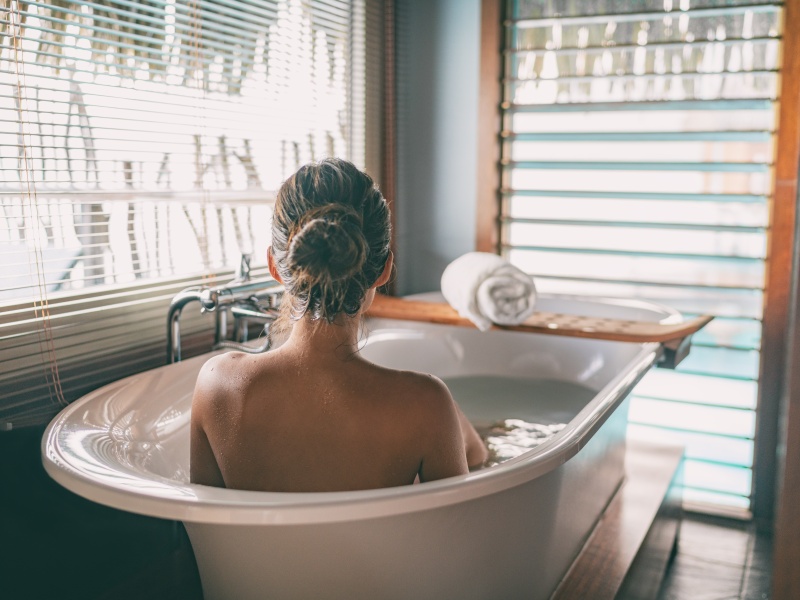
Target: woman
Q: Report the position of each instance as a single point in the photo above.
(313, 415)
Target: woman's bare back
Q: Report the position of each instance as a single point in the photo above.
(272, 422)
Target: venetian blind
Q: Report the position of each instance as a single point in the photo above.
(636, 163)
(141, 143)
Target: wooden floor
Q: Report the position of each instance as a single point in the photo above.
(719, 559)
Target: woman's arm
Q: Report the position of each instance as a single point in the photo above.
(474, 447)
(453, 445)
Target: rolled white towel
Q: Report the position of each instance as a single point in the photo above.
(486, 289)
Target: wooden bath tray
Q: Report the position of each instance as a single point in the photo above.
(617, 330)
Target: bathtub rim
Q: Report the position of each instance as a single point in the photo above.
(169, 499)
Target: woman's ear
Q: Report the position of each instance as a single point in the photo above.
(273, 270)
(386, 273)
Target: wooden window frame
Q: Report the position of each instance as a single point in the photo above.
(490, 125)
(784, 473)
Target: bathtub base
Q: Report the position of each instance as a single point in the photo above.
(635, 571)
(625, 556)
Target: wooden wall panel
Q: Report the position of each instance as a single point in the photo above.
(786, 575)
(773, 372)
(489, 126)
(389, 146)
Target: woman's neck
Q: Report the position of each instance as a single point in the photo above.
(318, 338)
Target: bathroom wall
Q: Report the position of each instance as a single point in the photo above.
(438, 54)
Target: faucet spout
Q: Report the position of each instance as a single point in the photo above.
(180, 300)
(240, 298)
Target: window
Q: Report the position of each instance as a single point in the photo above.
(637, 148)
(141, 143)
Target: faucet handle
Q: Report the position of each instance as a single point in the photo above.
(243, 272)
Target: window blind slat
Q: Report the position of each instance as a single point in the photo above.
(704, 13)
(185, 15)
(649, 282)
(67, 303)
(221, 14)
(640, 166)
(715, 302)
(642, 195)
(108, 18)
(699, 418)
(138, 24)
(698, 258)
(705, 105)
(744, 334)
(147, 104)
(650, 46)
(642, 136)
(642, 76)
(76, 348)
(702, 446)
(635, 224)
(664, 270)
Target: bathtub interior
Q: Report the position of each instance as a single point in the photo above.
(140, 425)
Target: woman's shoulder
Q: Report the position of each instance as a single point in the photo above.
(423, 389)
(216, 368)
(425, 383)
(222, 375)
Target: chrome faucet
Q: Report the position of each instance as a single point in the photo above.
(245, 299)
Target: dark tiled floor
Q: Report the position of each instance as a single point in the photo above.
(719, 559)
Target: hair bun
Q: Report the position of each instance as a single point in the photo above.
(331, 233)
(329, 246)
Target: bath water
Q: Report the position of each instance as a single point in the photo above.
(514, 415)
(513, 437)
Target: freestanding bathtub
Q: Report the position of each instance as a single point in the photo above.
(508, 531)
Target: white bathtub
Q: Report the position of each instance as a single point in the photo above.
(510, 531)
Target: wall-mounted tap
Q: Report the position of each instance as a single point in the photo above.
(244, 299)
